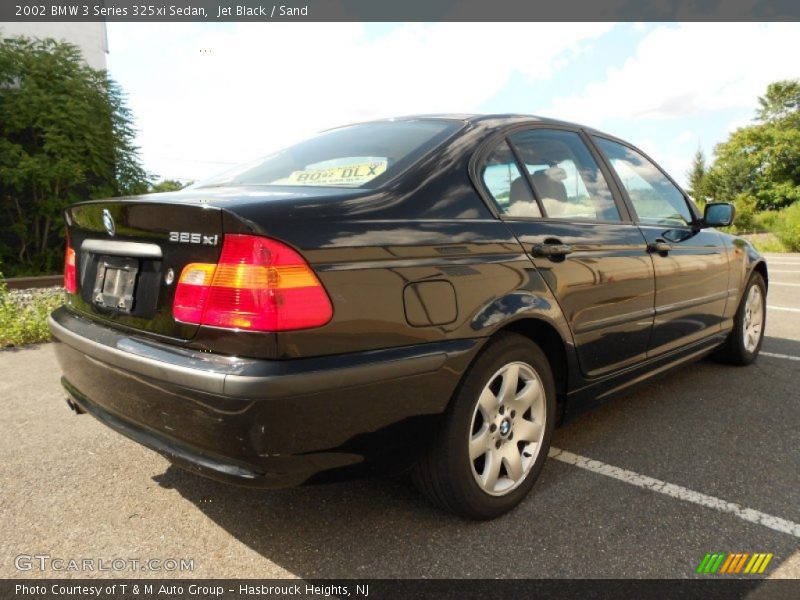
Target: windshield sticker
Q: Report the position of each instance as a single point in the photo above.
(353, 174)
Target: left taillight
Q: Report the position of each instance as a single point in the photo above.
(259, 284)
(70, 270)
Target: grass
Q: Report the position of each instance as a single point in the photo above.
(766, 242)
(771, 230)
(23, 315)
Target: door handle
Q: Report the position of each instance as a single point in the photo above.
(551, 249)
(660, 246)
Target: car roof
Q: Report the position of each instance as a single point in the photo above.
(491, 119)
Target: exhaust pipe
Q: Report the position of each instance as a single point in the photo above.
(74, 407)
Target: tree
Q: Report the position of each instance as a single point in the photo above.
(781, 100)
(759, 165)
(167, 185)
(65, 135)
(696, 176)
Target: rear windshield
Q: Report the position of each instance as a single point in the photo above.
(358, 156)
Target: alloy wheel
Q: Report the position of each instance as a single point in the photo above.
(753, 321)
(508, 425)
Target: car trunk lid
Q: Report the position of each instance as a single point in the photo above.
(129, 255)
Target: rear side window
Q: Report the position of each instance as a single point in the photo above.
(565, 176)
(358, 156)
(507, 184)
(654, 197)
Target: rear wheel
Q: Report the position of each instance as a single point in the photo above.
(495, 438)
(744, 341)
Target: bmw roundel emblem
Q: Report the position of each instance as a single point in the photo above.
(108, 222)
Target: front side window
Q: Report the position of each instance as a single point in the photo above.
(358, 156)
(507, 184)
(655, 198)
(565, 176)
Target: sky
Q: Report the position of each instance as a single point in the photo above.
(206, 97)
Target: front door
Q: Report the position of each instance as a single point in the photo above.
(691, 264)
(555, 198)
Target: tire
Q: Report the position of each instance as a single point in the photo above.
(477, 422)
(744, 341)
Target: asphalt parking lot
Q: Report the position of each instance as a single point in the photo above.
(728, 437)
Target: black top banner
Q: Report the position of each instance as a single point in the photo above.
(399, 10)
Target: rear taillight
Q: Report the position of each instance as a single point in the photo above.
(70, 270)
(258, 284)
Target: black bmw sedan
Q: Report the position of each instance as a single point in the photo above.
(429, 293)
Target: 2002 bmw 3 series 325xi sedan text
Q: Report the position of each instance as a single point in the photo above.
(430, 293)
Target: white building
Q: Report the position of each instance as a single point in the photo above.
(89, 37)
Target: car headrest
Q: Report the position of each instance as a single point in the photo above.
(556, 173)
(520, 191)
(548, 184)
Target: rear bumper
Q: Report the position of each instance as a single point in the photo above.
(260, 422)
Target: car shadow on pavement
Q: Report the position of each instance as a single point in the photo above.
(380, 527)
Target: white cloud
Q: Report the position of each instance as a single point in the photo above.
(205, 96)
(738, 123)
(686, 70)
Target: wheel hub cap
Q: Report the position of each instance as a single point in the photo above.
(507, 428)
(753, 322)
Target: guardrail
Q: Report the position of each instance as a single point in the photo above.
(24, 283)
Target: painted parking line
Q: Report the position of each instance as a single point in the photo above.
(676, 491)
(774, 355)
(784, 270)
(783, 283)
(786, 308)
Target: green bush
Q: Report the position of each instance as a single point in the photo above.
(787, 227)
(23, 315)
(66, 135)
(766, 221)
(745, 220)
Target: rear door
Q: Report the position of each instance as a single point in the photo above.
(129, 255)
(554, 195)
(691, 264)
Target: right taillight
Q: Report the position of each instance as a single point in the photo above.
(258, 284)
(70, 270)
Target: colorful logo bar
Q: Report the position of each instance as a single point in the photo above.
(723, 563)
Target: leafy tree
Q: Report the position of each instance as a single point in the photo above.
(696, 177)
(759, 165)
(65, 135)
(781, 101)
(167, 185)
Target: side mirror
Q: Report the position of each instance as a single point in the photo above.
(718, 214)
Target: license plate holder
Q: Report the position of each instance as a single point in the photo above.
(115, 283)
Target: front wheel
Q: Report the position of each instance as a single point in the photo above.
(744, 340)
(496, 434)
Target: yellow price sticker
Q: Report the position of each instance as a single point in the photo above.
(352, 174)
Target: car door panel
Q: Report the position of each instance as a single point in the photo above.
(604, 287)
(691, 286)
(555, 198)
(691, 264)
